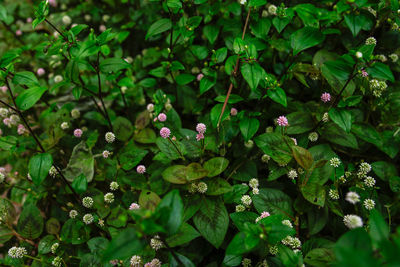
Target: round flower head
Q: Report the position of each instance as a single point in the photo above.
(53, 171)
(3, 112)
(153, 263)
(202, 187)
(141, 169)
(110, 137)
(78, 133)
(249, 144)
(369, 204)
(165, 132)
(2, 177)
(240, 208)
(18, 32)
(365, 167)
(282, 121)
(352, 221)
(57, 262)
(253, 183)
(66, 20)
(114, 186)
(200, 76)
(272, 9)
(87, 202)
(17, 252)
(273, 250)
(364, 73)
(109, 198)
(246, 200)
(287, 223)
(156, 243)
(21, 129)
(40, 72)
(150, 107)
(335, 162)
(7, 122)
(64, 125)
(352, 197)
(58, 79)
(75, 113)
(54, 247)
(14, 119)
(246, 262)
(162, 117)
(369, 181)
(333, 194)
(313, 136)
(88, 218)
(4, 89)
(201, 128)
(73, 214)
(265, 158)
(136, 261)
(106, 154)
(292, 174)
(234, 112)
(263, 215)
(370, 41)
(134, 206)
(102, 28)
(359, 54)
(326, 97)
(199, 136)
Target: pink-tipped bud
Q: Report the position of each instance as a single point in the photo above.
(201, 128)
(134, 206)
(200, 76)
(78, 133)
(234, 111)
(199, 136)
(40, 72)
(141, 169)
(18, 32)
(4, 89)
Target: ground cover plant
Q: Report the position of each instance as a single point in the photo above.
(199, 133)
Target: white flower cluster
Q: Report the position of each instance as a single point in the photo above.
(87, 202)
(136, 261)
(253, 183)
(156, 243)
(352, 221)
(17, 252)
(333, 194)
(335, 162)
(293, 242)
(292, 174)
(377, 87)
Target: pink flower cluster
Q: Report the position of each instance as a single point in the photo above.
(78, 133)
(21, 129)
(165, 132)
(282, 121)
(326, 97)
(162, 117)
(134, 206)
(141, 169)
(201, 129)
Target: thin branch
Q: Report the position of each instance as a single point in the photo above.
(234, 73)
(56, 29)
(100, 93)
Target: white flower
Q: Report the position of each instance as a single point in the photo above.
(335, 162)
(106, 154)
(292, 174)
(110, 137)
(136, 261)
(202, 187)
(246, 200)
(272, 9)
(73, 214)
(370, 41)
(3, 112)
(352, 221)
(75, 113)
(369, 181)
(313, 136)
(240, 208)
(253, 183)
(58, 79)
(249, 144)
(242, 2)
(333, 194)
(114, 186)
(109, 198)
(87, 202)
(57, 261)
(54, 247)
(287, 223)
(359, 54)
(17, 252)
(64, 125)
(369, 204)
(66, 20)
(150, 107)
(156, 243)
(265, 158)
(325, 117)
(246, 262)
(53, 171)
(352, 197)
(88, 218)
(365, 168)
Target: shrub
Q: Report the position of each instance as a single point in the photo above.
(199, 133)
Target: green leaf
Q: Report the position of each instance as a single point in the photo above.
(30, 222)
(241, 219)
(274, 201)
(380, 71)
(356, 22)
(149, 200)
(26, 78)
(184, 78)
(340, 68)
(113, 65)
(80, 184)
(118, 217)
(8, 142)
(39, 166)
(305, 38)
(206, 84)
(171, 211)
(256, 3)
(29, 97)
(322, 257)
(81, 162)
(341, 117)
(334, 134)
(212, 221)
(123, 246)
(211, 32)
(248, 127)
(314, 193)
(242, 243)
(217, 186)
(367, 133)
(278, 95)
(384, 170)
(180, 174)
(131, 155)
(123, 128)
(74, 232)
(252, 73)
(303, 157)
(215, 166)
(299, 122)
(185, 234)
(233, 99)
(276, 146)
(158, 27)
(378, 228)
(98, 244)
(45, 244)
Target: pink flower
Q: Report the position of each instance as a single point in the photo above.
(199, 136)
(264, 214)
(234, 111)
(155, 119)
(3, 170)
(201, 128)
(78, 133)
(295, 141)
(326, 97)
(165, 132)
(364, 73)
(29, 20)
(53, 3)
(21, 129)
(173, 138)
(162, 117)
(134, 206)
(282, 121)
(18, 32)
(4, 89)
(40, 71)
(102, 28)
(200, 76)
(7, 122)
(141, 169)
